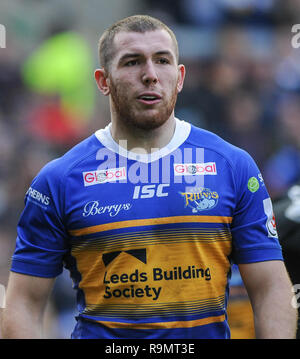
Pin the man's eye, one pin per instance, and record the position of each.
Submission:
(163, 61)
(131, 63)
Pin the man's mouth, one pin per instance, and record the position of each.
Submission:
(149, 98)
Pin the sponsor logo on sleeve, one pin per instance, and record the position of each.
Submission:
(253, 184)
(37, 197)
(261, 180)
(91, 178)
(196, 169)
(270, 224)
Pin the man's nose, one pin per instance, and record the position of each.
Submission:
(149, 75)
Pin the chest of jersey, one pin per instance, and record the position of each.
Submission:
(141, 191)
(145, 227)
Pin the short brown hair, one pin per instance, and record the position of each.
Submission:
(135, 23)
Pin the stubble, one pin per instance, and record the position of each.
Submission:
(133, 114)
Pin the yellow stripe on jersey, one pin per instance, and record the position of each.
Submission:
(150, 222)
(165, 325)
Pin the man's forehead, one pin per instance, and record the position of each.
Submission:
(157, 40)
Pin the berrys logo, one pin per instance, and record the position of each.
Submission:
(197, 169)
(91, 178)
(94, 208)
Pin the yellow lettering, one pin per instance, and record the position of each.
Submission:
(188, 196)
(215, 195)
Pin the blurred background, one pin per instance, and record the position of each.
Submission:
(243, 83)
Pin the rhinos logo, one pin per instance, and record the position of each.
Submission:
(201, 199)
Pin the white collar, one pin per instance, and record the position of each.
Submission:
(182, 131)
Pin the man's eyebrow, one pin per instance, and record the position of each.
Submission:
(136, 54)
(164, 52)
(128, 55)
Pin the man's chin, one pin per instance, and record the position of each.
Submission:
(149, 122)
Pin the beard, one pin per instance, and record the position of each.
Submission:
(134, 114)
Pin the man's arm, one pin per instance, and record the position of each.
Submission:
(26, 299)
(270, 293)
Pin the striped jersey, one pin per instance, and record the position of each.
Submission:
(148, 238)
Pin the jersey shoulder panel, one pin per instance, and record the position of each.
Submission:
(211, 141)
(240, 162)
(51, 178)
(62, 165)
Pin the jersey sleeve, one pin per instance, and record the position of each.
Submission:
(254, 231)
(41, 237)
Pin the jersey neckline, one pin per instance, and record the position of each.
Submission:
(182, 131)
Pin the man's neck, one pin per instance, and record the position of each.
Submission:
(139, 140)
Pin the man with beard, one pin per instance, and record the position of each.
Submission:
(123, 212)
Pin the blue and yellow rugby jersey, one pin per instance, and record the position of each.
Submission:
(148, 239)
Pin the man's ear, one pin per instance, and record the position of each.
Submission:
(181, 76)
(102, 81)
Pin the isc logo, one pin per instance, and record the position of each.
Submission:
(149, 191)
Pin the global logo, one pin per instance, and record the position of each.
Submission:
(91, 178)
(201, 199)
(192, 169)
(198, 169)
(101, 177)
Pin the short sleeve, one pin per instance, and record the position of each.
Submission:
(254, 231)
(41, 237)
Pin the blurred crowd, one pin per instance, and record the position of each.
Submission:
(243, 83)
